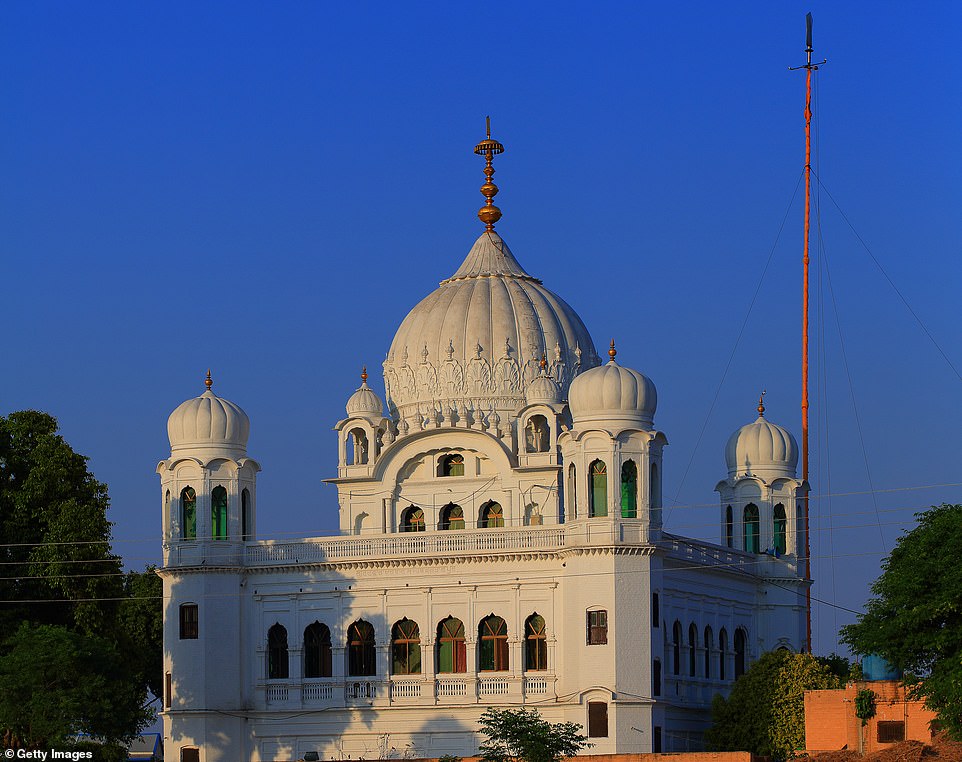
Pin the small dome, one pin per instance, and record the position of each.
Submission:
(543, 389)
(364, 402)
(613, 393)
(208, 421)
(761, 449)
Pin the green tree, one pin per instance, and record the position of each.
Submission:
(765, 712)
(79, 639)
(914, 619)
(523, 735)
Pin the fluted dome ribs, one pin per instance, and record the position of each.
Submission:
(208, 421)
(479, 338)
(762, 449)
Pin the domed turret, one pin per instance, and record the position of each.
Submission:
(477, 339)
(364, 402)
(208, 422)
(613, 393)
(543, 389)
(762, 449)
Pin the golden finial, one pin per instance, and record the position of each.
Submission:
(761, 403)
(364, 374)
(612, 351)
(544, 362)
(208, 382)
(489, 213)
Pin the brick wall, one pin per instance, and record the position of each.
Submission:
(831, 724)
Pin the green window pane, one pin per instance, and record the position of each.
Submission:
(218, 513)
(629, 490)
(188, 502)
(780, 530)
(598, 490)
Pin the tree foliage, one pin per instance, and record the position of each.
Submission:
(523, 735)
(765, 712)
(914, 619)
(80, 641)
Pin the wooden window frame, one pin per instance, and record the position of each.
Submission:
(596, 626)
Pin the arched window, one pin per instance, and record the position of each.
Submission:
(451, 465)
(629, 490)
(572, 491)
(188, 513)
(405, 648)
(722, 653)
(277, 653)
(709, 645)
(535, 644)
(317, 651)
(676, 648)
(597, 489)
(692, 646)
(218, 513)
(654, 492)
(739, 652)
(750, 529)
(361, 661)
(245, 515)
(491, 515)
(537, 435)
(359, 447)
(451, 652)
(493, 650)
(656, 677)
(452, 517)
(780, 530)
(729, 527)
(412, 520)
(167, 527)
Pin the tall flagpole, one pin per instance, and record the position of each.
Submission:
(809, 68)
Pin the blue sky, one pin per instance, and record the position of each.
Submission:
(267, 189)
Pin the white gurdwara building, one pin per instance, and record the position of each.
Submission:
(501, 545)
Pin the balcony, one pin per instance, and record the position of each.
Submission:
(413, 690)
(408, 545)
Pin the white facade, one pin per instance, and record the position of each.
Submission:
(511, 482)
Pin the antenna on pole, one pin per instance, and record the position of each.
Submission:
(809, 67)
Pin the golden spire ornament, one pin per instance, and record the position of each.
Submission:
(761, 403)
(489, 213)
(612, 351)
(208, 382)
(364, 374)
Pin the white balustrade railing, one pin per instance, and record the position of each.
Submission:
(535, 686)
(405, 545)
(276, 693)
(452, 688)
(361, 690)
(405, 689)
(313, 692)
(493, 686)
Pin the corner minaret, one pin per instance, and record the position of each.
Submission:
(208, 483)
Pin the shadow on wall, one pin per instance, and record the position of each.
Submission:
(272, 665)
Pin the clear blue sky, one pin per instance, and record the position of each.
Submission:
(268, 188)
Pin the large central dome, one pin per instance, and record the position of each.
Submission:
(476, 342)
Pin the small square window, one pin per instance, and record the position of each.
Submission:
(597, 628)
(188, 621)
(189, 755)
(891, 731)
